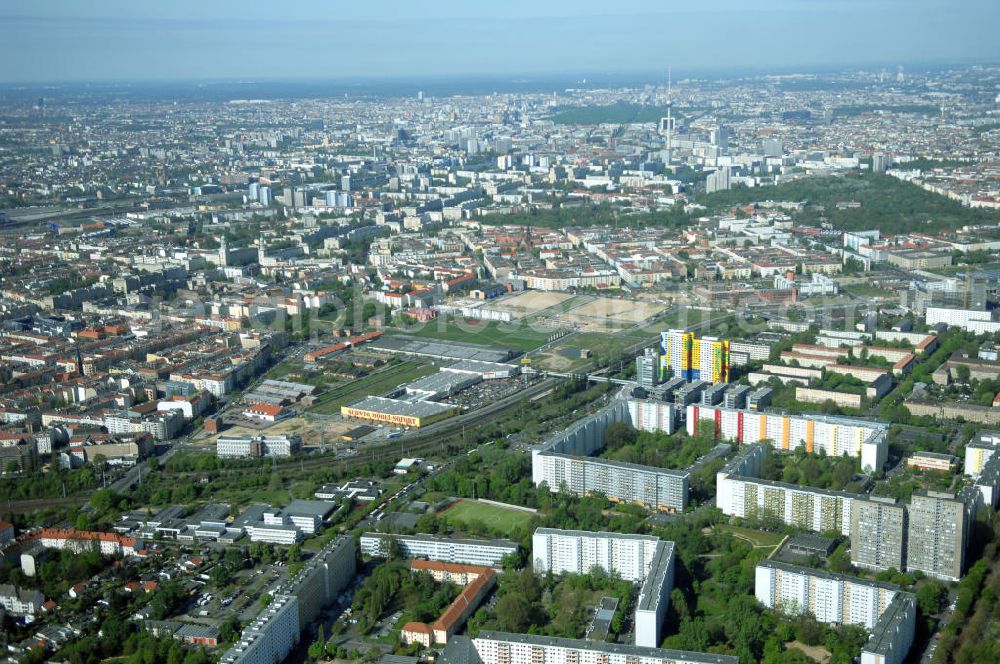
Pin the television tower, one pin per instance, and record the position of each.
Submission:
(670, 120)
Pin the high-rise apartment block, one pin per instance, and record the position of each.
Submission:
(647, 368)
(505, 648)
(888, 613)
(836, 436)
(562, 461)
(800, 506)
(929, 534)
(937, 535)
(641, 559)
(691, 358)
(488, 553)
(979, 450)
(828, 597)
(878, 533)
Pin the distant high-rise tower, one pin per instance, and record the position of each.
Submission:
(261, 249)
(881, 162)
(669, 128)
(772, 147)
(900, 76)
(223, 252)
(720, 136)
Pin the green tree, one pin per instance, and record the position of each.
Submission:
(619, 434)
(514, 613)
(929, 597)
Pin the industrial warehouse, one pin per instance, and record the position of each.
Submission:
(420, 402)
(401, 413)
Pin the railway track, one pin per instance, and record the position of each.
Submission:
(35, 504)
(420, 444)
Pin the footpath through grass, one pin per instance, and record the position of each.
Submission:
(757, 538)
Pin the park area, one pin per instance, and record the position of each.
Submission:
(758, 539)
(496, 518)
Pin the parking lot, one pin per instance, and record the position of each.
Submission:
(488, 391)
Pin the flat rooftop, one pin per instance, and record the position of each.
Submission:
(659, 566)
(478, 366)
(611, 648)
(416, 408)
(621, 464)
(501, 543)
(443, 381)
(885, 628)
(601, 534)
(457, 350)
(316, 508)
(823, 574)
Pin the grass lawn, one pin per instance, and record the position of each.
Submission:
(372, 384)
(505, 335)
(282, 370)
(601, 343)
(867, 290)
(496, 518)
(686, 318)
(758, 538)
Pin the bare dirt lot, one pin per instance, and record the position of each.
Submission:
(624, 311)
(530, 302)
(308, 428)
(815, 653)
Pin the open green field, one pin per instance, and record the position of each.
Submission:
(493, 517)
(757, 538)
(685, 318)
(504, 335)
(373, 384)
(867, 290)
(281, 371)
(565, 354)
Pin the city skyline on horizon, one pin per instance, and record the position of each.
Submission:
(224, 41)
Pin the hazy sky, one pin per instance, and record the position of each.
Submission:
(107, 40)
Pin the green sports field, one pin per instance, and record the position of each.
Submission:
(496, 518)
